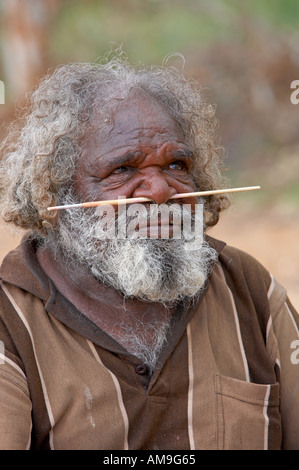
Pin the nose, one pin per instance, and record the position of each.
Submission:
(154, 186)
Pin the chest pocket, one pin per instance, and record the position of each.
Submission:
(248, 417)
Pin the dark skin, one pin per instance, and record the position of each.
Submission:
(143, 153)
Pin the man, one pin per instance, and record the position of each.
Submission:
(123, 342)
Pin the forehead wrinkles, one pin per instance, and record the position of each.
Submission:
(122, 134)
(141, 111)
(131, 141)
(138, 137)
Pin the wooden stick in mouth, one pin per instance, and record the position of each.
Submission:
(146, 199)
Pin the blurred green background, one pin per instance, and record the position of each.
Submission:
(245, 54)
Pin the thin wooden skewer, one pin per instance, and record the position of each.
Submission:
(146, 199)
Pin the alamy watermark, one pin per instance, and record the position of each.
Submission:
(295, 94)
(156, 221)
(295, 354)
(2, 92)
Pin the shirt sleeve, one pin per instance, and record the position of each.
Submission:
(15, 404)
(283, 339)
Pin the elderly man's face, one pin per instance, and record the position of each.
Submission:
(142, 153)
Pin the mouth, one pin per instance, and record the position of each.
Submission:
(165, 228)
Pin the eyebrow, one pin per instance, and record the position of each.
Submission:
(184, 154)
(132, 157)
(128, 157)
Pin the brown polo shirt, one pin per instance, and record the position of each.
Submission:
(228, 376)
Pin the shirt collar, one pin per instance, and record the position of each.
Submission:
(22, 269)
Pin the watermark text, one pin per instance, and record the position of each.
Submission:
(295, 94)
(295, 354)
(156, 221)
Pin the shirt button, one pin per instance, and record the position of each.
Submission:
(141, 369)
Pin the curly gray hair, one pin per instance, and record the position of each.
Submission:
(38, 158)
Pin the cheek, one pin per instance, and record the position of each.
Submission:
(183, 183)
(86, 188)
(190, 183)
(92, 189)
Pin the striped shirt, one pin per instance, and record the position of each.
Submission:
(228, 376)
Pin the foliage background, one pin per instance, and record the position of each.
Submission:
(244, 53)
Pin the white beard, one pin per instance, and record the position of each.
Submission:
(156, 270)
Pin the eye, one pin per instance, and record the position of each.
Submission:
(177, 165)
(121, 169)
